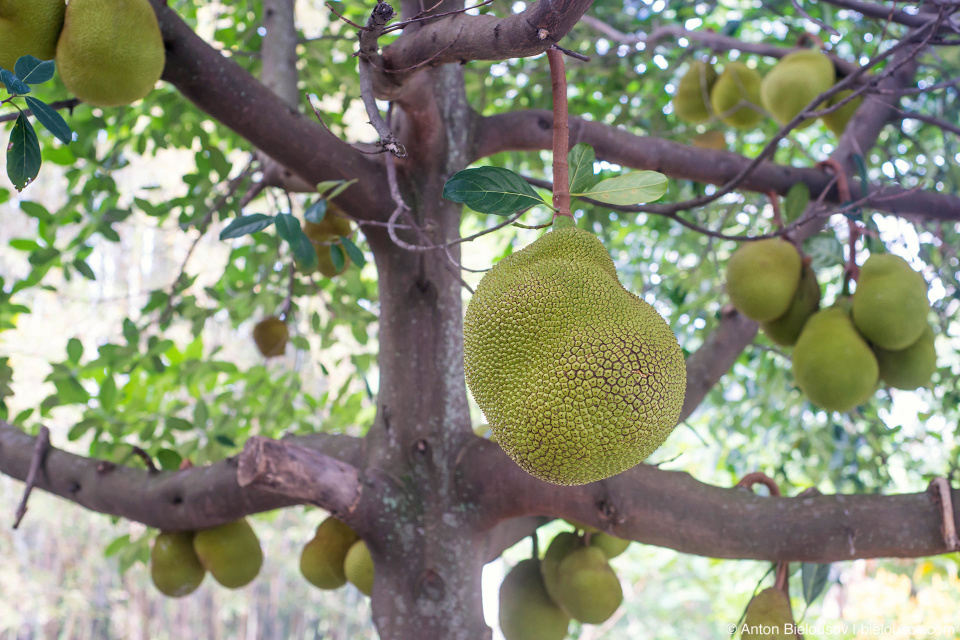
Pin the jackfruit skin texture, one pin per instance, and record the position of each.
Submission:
(786, 329)
(230, 552)
(691, 103)
(29, 27)
(738, 83)
(909, 368)
(794, 82)
(837, 120)
(768, 617)
(578, 378)
(110, 52)
(321, 561)
(890, 305)
(587, 588)
(526, 610)
(174, 566)
(832, 364)
(271, 335)
(358, 567)
(762, 278)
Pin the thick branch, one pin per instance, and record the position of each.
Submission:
(174, 500)
(673, 510)
(881, 12)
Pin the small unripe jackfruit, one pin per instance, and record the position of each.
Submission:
(890, 305)
(578, 378)
(174, 567)
(322, 559)
(735, 97)
(909, 368)
(786, 329)
(611, 546)
(762, 278)
(271, 335)
(837, 120)
(358, 567)
(110, 52)
(587, 587)
(562, 545)
(691, 102)
(29, 27)
(526, 610)
(794, 82)
(769, 617)
(230, 552)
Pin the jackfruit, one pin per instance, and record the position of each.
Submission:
(909, 368)
(321, 561)
(174, 567)
(794, 82)
(271, 335)
(29, 27)
(832, 364)
(578, 378)
(786, 329)
(837, 120)
(587, 588)
(890, 305)
(562, 545)
(735, 97)
(526, 610)
(762, 278)
(230, 552)
(325, 260)
(611, 546)
(331, 227)
(691, 102)
(110, 52)
(358, 567)
(710, 140)
(769, 617)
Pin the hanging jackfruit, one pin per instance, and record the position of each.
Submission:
(29, 27)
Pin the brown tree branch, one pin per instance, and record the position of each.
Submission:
(881, 12)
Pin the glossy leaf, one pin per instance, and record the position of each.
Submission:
(50, 119)
(245, 225)
(23, 154)
(491, 190)
(635, 187)
(580, 160)
(33, 70)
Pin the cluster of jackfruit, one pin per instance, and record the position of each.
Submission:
(573, 580)
(108, 52)
(325, 235)
(336, 556)
(179, 560)
(578, 378)
(842, 352)
(740, 96)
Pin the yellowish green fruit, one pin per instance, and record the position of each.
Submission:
(331, 227)
(890, 305)
(795, 82)
(611, 546)
(769, 617)
(837, 120)
(526, 610)
(710, 140)
(762, 278)
(110, 52)
(29, 27)
(358, 567)
(832, 364)
(325, 260)
(578, 378)
(174, 567)
(560, 547)
(230, 552)
(271, 335)
(587, 587)
(735, 97)
(322, 559)
(909, 368)
(691, 103)
(786, 329)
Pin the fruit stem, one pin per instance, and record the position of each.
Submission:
(561, 134)
(535, 543)
(783, 572)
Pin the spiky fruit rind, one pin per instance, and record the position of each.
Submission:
(611, 546)
(691, 102)
(794, 82)
(769, 617)
(358, 567)
(738, 84)
(786, 329)
(321, 561)
(909, 368)
(890, 305)
(762, 278)
(587, 588)
(832, 364)
(560, 547)
(230, 552)
(271, 335)
(110, 52)
(29, 27)
(837, 120)
(174, 566)
(526, 610)
(578, 378)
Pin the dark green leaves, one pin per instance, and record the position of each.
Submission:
(337, 257)
(23, 154)
(245, 225)
(814, 578)
(353, 251)
(316, 212)
(15, 86)
(798, 197)
(288, 228)
(581, 159)
(492, 190)
(50, 119)
(32, 70)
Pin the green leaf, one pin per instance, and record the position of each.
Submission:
(178, 424)
(288, 228)
(305, 253)
(631, 188)
(84, 269)
(13, 84)
(336, 257)
(224, 440)
(340, 188)
(316, 211)
(581, 159)
(814, 578)
(51, 120)
(245, 225)
(23, 154)
(117, 543)
(108, 394)
(798, 197)
(326, 185)
(825, 251)
(33, 70)
(492, 190)
(353, 251)
(169, 459)
(74, 350)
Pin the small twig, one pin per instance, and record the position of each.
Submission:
(781, 581)
(316, 112)
(147, 460)
(343, 17)
(572, 54)
(774, 199)
(60, 104)
(419, 16)
(758, 477)
(420, 64)
(561, 134)
(40, 449)
(288, 301)
(941, 492)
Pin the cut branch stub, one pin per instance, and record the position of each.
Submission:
(299, 473)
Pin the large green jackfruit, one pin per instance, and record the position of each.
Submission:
(691, 102)
(174, 567)
(890, 305)
(837, 120)
(794, 82)
(587, 587)
(786, 329)
(358, 567)
(578, 378)
(909, 368)
(29, 27)
(762, 278)
(526, 611)
(735, 97)
(321, 561)
(769, 617)
(230, 552)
